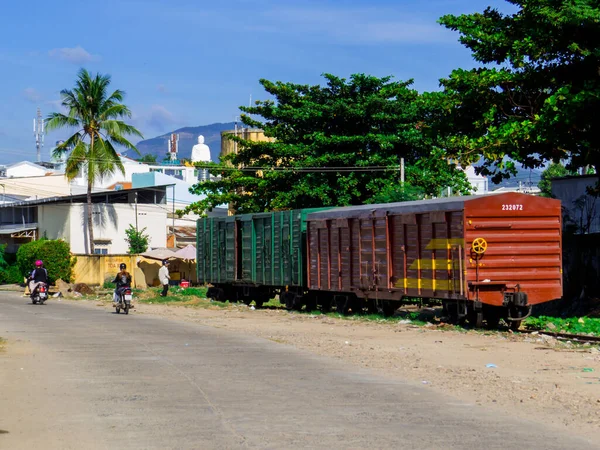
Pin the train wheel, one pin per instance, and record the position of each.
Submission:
(259, 303)
(341, 305)
(356, 305)
(371, 306)
(515, 325)
(311, 303)
(247, 302)
(515, 313)
(388, 308)
(475, 317)
(493, 320)
(289, 301)
(326, 305)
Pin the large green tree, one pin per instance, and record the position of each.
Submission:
(96, 115)
(335, 144)
(537, 92)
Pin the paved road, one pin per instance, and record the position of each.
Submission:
(78, 376)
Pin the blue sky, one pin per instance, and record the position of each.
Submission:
(191, 62)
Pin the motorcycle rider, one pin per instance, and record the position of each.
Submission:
(38, 276)
(122, 281)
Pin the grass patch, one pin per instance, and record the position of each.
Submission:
(573, 325)
(179, 296)
(2, 344)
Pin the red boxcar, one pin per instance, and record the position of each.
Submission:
(488, 257)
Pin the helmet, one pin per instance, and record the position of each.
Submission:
(165, 262)
(39, 263)
(122, 266)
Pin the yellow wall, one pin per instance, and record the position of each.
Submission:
(95, 269)
(229, 146)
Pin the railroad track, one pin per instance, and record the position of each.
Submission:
(565, 336)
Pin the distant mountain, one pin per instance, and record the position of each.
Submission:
(188, 137)
(525, 178)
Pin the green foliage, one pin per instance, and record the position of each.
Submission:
(56, 256)
(11, 275)
(398, 193)
(332, 145)
(536, 97)
(574, 325)
(554, 170)
(3, 263)
(137, 240)
(148, 159)
(97, 115)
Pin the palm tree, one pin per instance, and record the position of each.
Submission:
(97, 117)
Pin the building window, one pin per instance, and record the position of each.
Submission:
(101, 247)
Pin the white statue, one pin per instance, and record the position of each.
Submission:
(201, 153)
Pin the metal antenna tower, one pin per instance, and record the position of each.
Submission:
(173, 147)
(38, 132)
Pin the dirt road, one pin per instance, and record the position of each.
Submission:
(75, 375)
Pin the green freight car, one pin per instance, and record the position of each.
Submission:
(254, 257)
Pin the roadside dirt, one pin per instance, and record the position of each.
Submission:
(531, 377)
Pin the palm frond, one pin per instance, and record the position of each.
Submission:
(76, 161)
(120, 140)
(63, 148)
(58, 120)
(106, 160)
(114, 127)
(114, 111)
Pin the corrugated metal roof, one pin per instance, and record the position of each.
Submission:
(81, 198)
(419, 206)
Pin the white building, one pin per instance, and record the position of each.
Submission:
(66, 218)
(479, 182)
(27, 169)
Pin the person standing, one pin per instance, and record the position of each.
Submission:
(163, 276)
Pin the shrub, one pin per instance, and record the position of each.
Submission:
(55, 254)
(3, 263)
(11, 275)
(137, 240)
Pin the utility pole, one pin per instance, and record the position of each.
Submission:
(136, 213)
(402, 170)
(174, 238)
(38, 132)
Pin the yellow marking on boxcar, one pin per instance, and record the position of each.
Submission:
(433, 269)
(426, 264)
(425, 283)
(444, 244)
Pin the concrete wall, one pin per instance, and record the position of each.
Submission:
(54, 221)
(95, 269)
(69, 222)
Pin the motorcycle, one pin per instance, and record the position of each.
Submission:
(124, 297)
(40, 294)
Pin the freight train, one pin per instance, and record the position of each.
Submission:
(486, 257)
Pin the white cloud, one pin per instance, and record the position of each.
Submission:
(32, 95)
(75, 55)
(157, 118)
(358, 25)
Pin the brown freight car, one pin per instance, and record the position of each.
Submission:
(487, 257)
